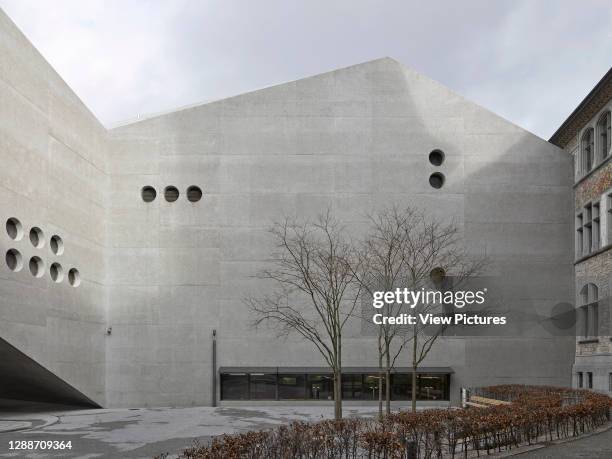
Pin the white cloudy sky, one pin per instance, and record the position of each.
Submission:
(531, 61)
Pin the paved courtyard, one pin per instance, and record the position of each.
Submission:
(144, 433)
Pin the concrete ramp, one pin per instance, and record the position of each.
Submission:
(21, 378)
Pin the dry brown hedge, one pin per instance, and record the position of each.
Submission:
(536, 413)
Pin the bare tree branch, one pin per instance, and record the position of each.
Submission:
(402, 250)
(315, 288)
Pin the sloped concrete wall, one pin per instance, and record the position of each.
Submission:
(52, 176)
(354, 139)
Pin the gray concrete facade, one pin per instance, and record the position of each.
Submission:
(54, 176)
(164, 274)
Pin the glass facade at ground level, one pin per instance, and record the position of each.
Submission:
(320, 386)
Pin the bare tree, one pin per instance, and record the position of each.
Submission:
(315, 291)
(382, 267)
(435, 259)
(407, 249)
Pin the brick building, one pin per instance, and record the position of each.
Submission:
(586, 136)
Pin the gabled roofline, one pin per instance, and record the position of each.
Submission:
(589, 106)
(170, 111)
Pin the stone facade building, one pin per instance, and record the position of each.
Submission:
(586, 136)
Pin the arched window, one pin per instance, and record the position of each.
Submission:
(604, 135)
(588, 150)
(589, 310)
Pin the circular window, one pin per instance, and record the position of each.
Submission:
(171, 193)
(14, 260)
(194, 193)
(14, 229)
(148, 194)
(437, 275)
(37, 267)
(436, 157)
(37, 237)
(57, 273)
(74, 277)
(436, 180)
(56, 244)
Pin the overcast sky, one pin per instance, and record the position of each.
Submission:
(530, 61)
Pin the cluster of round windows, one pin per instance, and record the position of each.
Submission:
(36, 265)
(436, 157)
(171, 193)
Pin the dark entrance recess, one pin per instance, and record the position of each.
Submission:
(24, 379)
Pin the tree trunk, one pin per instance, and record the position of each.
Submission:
(414, 383)
(338, 380)
(337, 394)
(414, 373)
(380, 376)
(388, 380)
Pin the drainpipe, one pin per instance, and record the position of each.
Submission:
(214, 368)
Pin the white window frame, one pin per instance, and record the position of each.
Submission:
(589, 311)
(603, 129)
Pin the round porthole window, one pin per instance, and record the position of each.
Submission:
(171, 193)
(437, 275)
(14, 229)
(56, 272)
(56, 244)
(436, 180)
(74, 277)
(14, 260)
(37, 238)
(148, 194)
(436, 157)
(37, 267)
(194, 193)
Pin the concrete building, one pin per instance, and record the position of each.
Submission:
(125, 248)
(586, 137)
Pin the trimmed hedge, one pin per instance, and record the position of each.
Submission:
(536, 413)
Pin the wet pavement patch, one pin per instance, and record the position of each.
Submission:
(238, 413)
(12, 426)
(114, 425)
